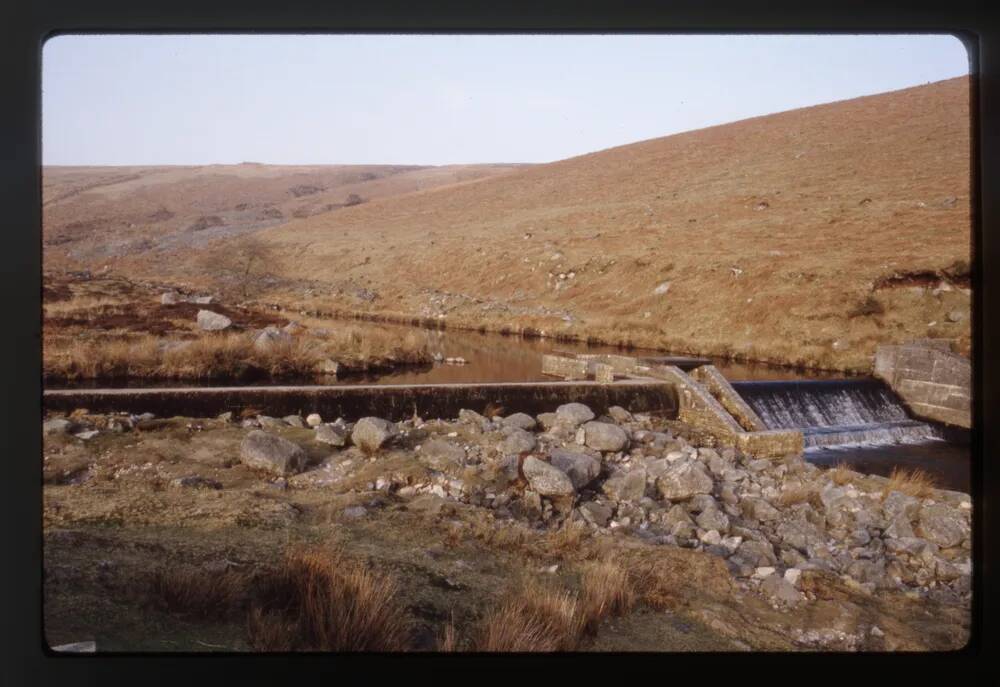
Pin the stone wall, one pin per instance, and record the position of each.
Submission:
(567, 368)
(935, 383)
(697, 406)
(724, 393)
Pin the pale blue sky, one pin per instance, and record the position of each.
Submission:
(340, 99)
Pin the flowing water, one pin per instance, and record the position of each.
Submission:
(861, 423)
(858, 421)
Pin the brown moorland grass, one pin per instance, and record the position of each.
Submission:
(190, 591)
(91, 211)
(224, 356)
(535, 618)
(916, 483)
(325, 601)
(788, 238)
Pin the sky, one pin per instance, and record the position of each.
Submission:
(440, 99)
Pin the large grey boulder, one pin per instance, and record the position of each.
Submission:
(213, 322)
(517, 441)
(596, 513)
(520, 420)
(57, 425)
(372, 433)
(800, 534)
(684, 479)
(626, 486)
(170, 298)
(471, 417)
(441, 455)
(942, 524)
(603, 436)
(581, 468)
(264, 451)
(759, 510)
(574, 414)
(333, 435)
(270, 337)
(547, 479)
(547, 420)
(898, 503)
(713, 519)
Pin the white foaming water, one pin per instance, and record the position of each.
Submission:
(839, 412)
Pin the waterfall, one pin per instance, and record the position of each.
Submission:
(835, 412)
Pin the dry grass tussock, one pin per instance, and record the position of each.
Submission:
(915, 483)
(224, 355)
(841, 474)
(797, 493)
(190, 591)
(539, 618)
(325, 601)
(534, 619)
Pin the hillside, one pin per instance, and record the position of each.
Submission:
(98, 214)
(803, 237)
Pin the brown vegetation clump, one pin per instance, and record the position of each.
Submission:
(533, 619)
(605, 590)
(841, 474)
(325, 601)
(796, 493)
(917, 483)
(190, 591)
(223, 356)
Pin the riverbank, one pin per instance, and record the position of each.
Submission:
(699, 548)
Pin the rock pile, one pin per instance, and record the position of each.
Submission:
(636, 475)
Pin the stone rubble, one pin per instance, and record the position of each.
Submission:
(772, 521)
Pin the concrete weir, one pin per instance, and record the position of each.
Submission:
(394, 402)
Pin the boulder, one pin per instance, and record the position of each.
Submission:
(574, 414)
(604, 437)
(942, 524)
(619, 414)
(441, 455)
(269, 337)
(294, 421)
(713, 519)
(759, 510)
(170, 298)
(800, 534)
(471, 417)
(517, 441)
(595, 513)
(520, 421)
(333, 435)
(780, 589)
(682, 480)
(314, 420)
(897, 503)
(264, 451)
(581, 468)
(371, 433)
(547, 479)
(268, 422)
(58, 425)
(626, 486)
(756, 553)
(547, 420)
(213, 322)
